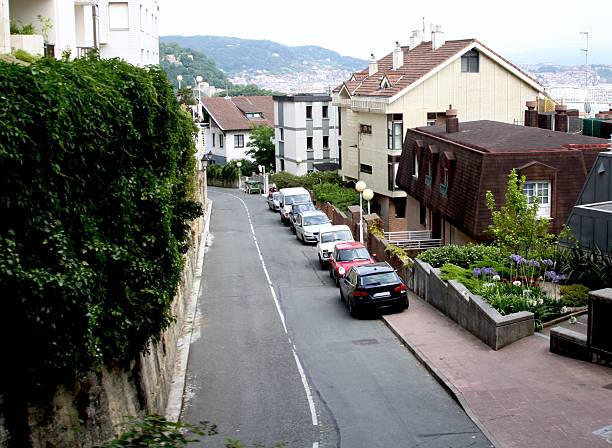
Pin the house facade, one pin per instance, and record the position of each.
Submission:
(447, 169)
(306, 132)
(413, 86)
(227, 124)
(127, 29)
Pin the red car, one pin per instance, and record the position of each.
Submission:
(345, 256)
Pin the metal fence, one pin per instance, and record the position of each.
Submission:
(413, 239)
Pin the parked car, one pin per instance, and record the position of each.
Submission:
(309, 224)
(296, 209)
(374, 286)
(328, 239)
(345, 256)
(274, 201)
(289, 196)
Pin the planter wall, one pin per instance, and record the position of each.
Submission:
(32, 43)
(469, 310)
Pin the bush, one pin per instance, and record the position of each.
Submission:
(286, 180)
(97, 173)
(24, 56)
(464, 276)
(463, 256)
(27, 28)
(574, 295)
(341, 197)
(592, 268)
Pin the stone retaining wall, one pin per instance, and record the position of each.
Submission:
(469, 310)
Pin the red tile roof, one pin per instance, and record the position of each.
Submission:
(418, 62)
(229, 113)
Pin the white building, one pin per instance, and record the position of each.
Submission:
(227, 124)
(306, 132)
(126, 29)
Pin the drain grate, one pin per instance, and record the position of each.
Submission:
(608, 386)
(365, 342)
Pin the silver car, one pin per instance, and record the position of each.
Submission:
(309, 224)
(274, 201)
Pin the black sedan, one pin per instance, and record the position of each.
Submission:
(373, 287)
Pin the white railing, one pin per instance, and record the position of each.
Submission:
(413, 239)
(341, 102)
(369, 106)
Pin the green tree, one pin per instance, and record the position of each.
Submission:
(186, 96)
(247, 90)
(261, 146)
(515, 227)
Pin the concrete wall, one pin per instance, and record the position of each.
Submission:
(469, 310)
(87, 412)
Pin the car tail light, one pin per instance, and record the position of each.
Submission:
(400, 288)
(358, 293)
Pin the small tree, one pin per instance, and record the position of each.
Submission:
(261, 146)
(186, 96)
(515, 227)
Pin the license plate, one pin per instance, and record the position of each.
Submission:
(380, 295)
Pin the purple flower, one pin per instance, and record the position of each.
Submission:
(488, 271)
(534, 263)
(517, 259)
(547, 262)
(562, 276)
(550, 274)
(477, 272)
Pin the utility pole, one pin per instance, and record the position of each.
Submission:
(587, 105)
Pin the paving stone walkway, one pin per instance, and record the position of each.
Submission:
(522, 396)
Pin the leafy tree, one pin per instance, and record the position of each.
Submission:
(515, 227)
(247, 90)
(261, 146)
(186, 96)
(189, 64)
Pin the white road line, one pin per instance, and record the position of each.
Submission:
(281, 315)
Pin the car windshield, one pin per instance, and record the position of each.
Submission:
(338, 235)
(315, 220)
(384, 278)
(297, 198)
(360, 253)
(297, 208)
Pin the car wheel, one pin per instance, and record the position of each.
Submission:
(331, 271)
(341, 296)
(336, 281)
(321, 262)
(351, 308)
(405, 305)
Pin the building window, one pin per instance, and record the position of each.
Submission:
(469, 62)
(118, 16)
(282, 134)
(395, 131)
(431, 118)
(325, 142)
(239, 141)
(422, 214)
(365, 128)
(400, 207)
(220, 140)
(213, 136)
(444, 183)
(325, 112)
(308, 142)
(253, 114)
(415, 165)
(339, 121)
(282, 164)
(392, 167)
(309, 112)
(539, 193)
(365, 168)
(428, 175)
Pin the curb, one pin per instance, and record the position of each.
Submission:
(443, 381)
(174, 405)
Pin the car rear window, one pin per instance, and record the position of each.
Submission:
(353, 254)
(315, 220)
(338, 235)
(384, 278)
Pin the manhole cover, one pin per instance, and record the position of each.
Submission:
(365, 342)
(608, 386)
(605, 433)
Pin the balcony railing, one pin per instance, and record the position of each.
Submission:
(369, 106)
(84, 51)
(341, 102)
(413, 239)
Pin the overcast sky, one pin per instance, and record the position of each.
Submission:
(358, 28)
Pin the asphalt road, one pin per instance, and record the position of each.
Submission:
(281, 361)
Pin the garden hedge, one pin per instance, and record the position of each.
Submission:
(97, 178)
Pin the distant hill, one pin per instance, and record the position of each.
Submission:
(235, 55)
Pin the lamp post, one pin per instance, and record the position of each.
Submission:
(360, 187)
(199, 80)
(239, 164)
(179, 78)
(368, 195)
(205, 159)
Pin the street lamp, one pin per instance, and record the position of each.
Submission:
(179, 78)
(239, 164)
(199, 80)
(360, 187)
(368, 195)
(204, 160)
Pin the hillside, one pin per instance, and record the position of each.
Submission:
(235, 55)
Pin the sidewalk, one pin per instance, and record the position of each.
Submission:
(521, 396)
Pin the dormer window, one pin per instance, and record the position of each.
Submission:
(253, 115)
(385, 84)
(470, 62)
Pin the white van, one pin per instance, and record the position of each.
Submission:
(290, 196)
(328, 238)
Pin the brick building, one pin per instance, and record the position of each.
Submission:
(447, 169)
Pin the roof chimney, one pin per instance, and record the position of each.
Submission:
(416, 39)
(452, 122)
(531, 115)
(437, 37)
(561, 118)
(398, 56)
(373, 68)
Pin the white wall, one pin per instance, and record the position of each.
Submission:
(5, 30)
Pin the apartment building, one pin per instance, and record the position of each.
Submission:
(227, 123)
(306, 132)
(413, 86)
(127, 29)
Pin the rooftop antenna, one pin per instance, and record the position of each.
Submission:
(423, 27)
(587, 105)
